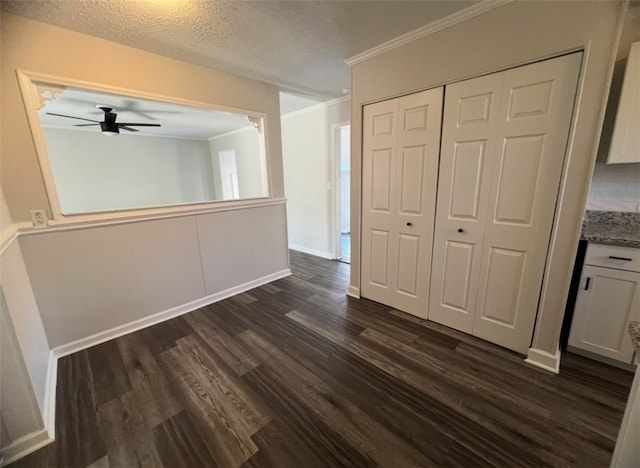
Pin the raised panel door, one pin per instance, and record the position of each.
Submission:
(378, 200)
(401, 140)
(418, 143)
(531, 140)
(470, 120)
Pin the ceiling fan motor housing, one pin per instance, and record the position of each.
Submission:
(109, 127)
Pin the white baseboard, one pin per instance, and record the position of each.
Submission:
(101, 337)
(544, 360)
(316, 253)
(24, 446)
(353, 291)
(49, 410)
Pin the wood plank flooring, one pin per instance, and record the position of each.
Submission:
(296, 374)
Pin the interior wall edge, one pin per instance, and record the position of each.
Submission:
(49, 410)
(10, 234)
(26, 322)
(544, 360)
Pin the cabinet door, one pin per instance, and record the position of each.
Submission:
(401, 141)
(607, 301)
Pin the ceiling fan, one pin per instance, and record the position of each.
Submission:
(109, 126)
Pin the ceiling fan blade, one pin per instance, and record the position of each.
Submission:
(72, 117)
(131, 124)
(128, 128)
(86, 125)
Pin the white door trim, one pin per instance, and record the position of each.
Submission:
(336, 194)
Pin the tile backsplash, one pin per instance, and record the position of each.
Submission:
(615, 187)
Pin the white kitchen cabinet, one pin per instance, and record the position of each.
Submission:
(608, 299)
(625, 143)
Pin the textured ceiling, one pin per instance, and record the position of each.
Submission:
(292, 102)
(298, 45)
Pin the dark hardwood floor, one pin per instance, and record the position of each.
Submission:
(295, 374)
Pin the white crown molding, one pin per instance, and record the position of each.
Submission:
(232, 132)
(314, 107)
(478, 9)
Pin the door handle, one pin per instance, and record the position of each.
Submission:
(409, 224)
(613, 257)
(460, 230)
(586, 286)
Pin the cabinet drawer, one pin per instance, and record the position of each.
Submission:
(613, 256)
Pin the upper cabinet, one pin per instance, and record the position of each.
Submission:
(625, 144)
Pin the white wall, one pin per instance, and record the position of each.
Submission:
(25, 316)
(42, 48)
(514, 34)
(249, 162)
(615, 187)
(94, 280)
(98, 278)
(98, 173)
(19, 414)
(24, 352)
(89, 279)
(23, 310)
(307, 152)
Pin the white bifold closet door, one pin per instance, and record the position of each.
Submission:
(401, 140)
(503, 146)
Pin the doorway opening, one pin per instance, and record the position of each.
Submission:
(229, 174)
(343, 202)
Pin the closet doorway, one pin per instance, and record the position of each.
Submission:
(498, 171)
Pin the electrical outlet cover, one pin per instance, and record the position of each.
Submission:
(39, 218)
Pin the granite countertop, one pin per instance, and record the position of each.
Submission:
(612, 227)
